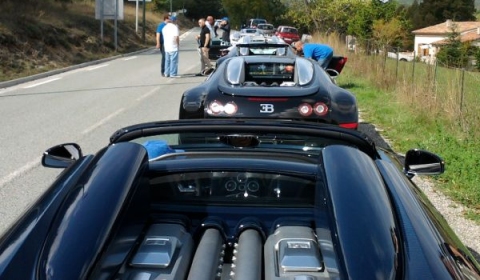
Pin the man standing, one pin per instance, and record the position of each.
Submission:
(209, 23)
(203, 48)
(171, 40)
(225, 26)
(319, 52)
(159, 38)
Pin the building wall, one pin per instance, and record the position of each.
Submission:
(424, 40)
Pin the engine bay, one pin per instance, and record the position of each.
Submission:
(168, 251)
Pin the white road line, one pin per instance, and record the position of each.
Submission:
(44, 82)
(148, 93)
(130, 57)
(96, 67)
(30, 165)
(104, 120)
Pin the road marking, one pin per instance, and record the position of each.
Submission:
(44, 82)
(96, 67)
(27, 167)
(128, 58)
(104, 120)
(148, 93)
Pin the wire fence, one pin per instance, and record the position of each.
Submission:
(426, 85)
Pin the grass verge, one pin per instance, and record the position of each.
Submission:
(410, 120)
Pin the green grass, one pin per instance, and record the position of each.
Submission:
(410, 117)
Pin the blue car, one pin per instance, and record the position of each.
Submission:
(252, 199)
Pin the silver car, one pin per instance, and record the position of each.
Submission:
(265, 29)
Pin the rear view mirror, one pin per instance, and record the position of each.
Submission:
(61, 156)
(423, 163)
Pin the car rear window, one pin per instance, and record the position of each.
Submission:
(224, 187)
(265, 26)
(289, 30)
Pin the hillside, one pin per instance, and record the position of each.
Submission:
(39, 38)
(409, 2)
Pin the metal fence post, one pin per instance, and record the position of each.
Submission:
(461, 90)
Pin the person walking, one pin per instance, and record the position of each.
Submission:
(171, 40)
(319, 52)
(203, 48)
(159, 38)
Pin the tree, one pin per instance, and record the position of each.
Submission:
(239, 11)
(453, 53)
(195, 8)
(438, 11)
(324, 16)
(388, 33)
(477, 58)
(415, 16)
(360, 23)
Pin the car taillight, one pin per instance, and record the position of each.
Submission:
(230, 108)
(320, 109)
(216, 107)
(305, 109)
(349, 125)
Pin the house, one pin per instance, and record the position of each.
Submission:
(429, 40)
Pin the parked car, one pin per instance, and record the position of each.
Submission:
(237, 36)
(265, 29)
(272, 87)
(257, 45)
(244, 200)
(253, 22)
(287, 33)
(272, 45)
(402, 56)
(216, 47)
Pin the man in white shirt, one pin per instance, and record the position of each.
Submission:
(171, 42)
(209, 23)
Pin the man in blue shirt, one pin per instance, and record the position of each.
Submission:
(319, 52)
(159, 38)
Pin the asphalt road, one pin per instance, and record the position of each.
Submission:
(85, 104)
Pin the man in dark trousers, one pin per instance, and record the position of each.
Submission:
(159, 38)
(225, 26)
(204, 40)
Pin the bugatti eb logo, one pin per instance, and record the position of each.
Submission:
(266, 108)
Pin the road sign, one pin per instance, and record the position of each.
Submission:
(109, 9)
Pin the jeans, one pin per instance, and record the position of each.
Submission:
(162, 51)
(325, 61)
(171, 64)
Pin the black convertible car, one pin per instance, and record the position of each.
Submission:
(244, 200)
(273, 87)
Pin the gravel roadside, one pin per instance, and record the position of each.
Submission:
(467, 230)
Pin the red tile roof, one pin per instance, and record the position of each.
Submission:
(446, 27)
(468, 37)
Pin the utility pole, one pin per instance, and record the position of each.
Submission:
(144, 39)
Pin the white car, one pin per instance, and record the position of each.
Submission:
(266, 29)
(238, 35)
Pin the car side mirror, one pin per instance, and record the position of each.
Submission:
(61, 156)
(423, 163)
